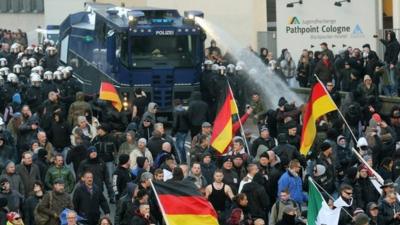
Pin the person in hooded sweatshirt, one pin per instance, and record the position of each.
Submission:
(391, 58)
(150, 113)
(145, 129)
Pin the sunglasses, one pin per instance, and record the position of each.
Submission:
(349, 193)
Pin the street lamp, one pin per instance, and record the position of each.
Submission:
(339, 3)
(291, 4)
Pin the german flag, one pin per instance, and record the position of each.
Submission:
(222, 133)
(182, 204)
(320, 103)
(109, 93)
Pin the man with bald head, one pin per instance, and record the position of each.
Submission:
(166, 152)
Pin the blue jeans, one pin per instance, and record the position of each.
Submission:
(393, 79)
(180, 145)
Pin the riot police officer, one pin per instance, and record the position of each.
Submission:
(48, 84)
(49, 61)
(72, 86)
(11, 87)
(33, 95)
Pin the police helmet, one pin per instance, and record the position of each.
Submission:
(3, 62)
(4, 71)
(12, 77)
(58, 75)
(230, 68)
(35, 78)
(39, 50)
(33, 62)
(60, 68)
(48, 75)
(38, 69)
(222, 70)
(17, 69)
(66, 73)
(215, 67)
(15, 48)
(29, 50)
(25, 63)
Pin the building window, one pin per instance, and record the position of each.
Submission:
(271, 15)
(21, 6)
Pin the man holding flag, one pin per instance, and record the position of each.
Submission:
(319, 104)
(337, 213)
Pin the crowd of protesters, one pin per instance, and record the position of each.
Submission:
(62, 150)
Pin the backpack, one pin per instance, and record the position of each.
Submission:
(40, 217)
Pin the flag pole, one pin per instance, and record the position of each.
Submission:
(340, 113)
(159, 202)
(240, 122)
(379, 178)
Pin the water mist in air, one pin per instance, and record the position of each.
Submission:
(271, 86)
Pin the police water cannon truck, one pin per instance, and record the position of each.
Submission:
(157, 50)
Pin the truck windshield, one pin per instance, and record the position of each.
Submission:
(175, 51)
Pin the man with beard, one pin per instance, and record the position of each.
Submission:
(346, 202)
(98, 169)
(88, 199)
(54, 202)
(389, 210)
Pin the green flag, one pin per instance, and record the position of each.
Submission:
(318, 212)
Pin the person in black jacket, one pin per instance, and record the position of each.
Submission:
(77, 153)
(121, 176)
(31, 202)
(259, 202)
(3, 211)
(124, 203)
(264, 139)
(59, 132)
(142, 216)
(389, 210)
(368, 190)
(145, 129)
(286, 151)
(391, 58)
(88, 199)
(180, 128)
(99, 170)
(198, 113)
(325, 159)
(106, 148)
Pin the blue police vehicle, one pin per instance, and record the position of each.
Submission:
(157, 50)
